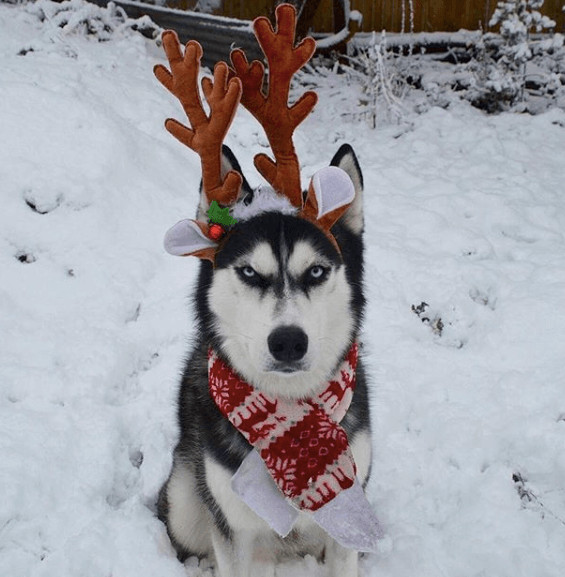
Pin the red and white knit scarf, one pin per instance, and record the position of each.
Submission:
(301, 442)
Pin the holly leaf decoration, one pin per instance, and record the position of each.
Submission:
(220, 215)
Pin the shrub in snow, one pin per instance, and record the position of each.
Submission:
(84, 18)
(517, 19)
(370, 84)
(382, 79)
(502, 61)
(493, 87)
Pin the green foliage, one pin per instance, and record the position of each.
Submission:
(220, 215)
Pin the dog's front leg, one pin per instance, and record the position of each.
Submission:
(241, 556)
(341, 562)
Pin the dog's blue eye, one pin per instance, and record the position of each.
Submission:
(315, 276)
(251, 277)
(317, 272)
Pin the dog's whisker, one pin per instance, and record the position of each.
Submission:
(326, 340)
(243, 335)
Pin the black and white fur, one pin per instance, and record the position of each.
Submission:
(276, 274)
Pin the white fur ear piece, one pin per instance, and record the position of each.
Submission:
(186, 238)
(333, 189)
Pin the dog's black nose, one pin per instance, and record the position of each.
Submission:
(288, 343)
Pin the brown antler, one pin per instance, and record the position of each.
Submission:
(207, 133)
(272, 110)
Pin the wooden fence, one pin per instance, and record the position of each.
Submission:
(391, 15)
(437, 15)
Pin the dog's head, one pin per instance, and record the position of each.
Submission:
(280, 290)
(282, 303)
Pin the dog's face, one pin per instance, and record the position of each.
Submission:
(282, 304)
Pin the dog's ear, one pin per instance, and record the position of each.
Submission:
(346, 159)
(229, 162)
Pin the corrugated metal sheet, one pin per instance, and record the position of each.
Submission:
(217, 35)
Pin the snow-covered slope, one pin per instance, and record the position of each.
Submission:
(464, 212)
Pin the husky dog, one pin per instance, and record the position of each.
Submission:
(282, 305)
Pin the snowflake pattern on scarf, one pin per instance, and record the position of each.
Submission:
(301, 442)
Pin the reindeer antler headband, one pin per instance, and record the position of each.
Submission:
(331, 190)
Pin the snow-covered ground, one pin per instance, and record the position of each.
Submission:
(465, 212)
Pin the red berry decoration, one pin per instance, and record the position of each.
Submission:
(215, 232)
